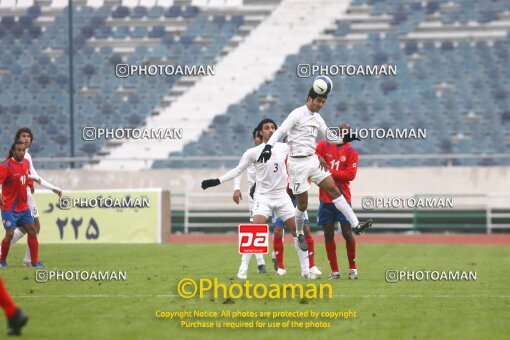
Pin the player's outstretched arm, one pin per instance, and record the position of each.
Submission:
(265, 154)
(245, 162)
(208, 183)
(287, 124)
(237, 196)
(36, 178)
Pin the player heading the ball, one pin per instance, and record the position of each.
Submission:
(302, 126)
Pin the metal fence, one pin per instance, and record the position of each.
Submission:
(471, 213)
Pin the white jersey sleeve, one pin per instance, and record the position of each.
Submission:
(287, 124)
(32, 169)
(252, 175)
(246, 160)
(237, 183)
(35, 176)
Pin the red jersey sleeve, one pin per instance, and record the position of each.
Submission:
(349, 173)
(4, 172)
(319, 149)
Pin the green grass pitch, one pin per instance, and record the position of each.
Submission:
(126, 310)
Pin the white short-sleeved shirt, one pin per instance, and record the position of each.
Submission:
(271, 177)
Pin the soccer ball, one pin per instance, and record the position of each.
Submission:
(322, 85)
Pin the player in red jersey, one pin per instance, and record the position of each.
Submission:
(14, 178)
(342, 163)
(26, 136)
(16, 318)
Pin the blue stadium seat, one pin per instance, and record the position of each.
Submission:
(173, 12)
(120, 12)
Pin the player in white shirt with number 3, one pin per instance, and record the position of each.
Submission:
(270, 193)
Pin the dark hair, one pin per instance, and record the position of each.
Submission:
(22, 130)
(312, 94)
(255, 133)
(265, 121)
(13, 146)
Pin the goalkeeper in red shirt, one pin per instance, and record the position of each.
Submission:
(342, 162)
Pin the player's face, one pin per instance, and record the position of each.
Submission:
(19, 152)
(316, 104)
(25, 138)
(267, 131)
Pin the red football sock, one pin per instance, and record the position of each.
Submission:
(33, 244)
(351, 253)
(311, 250)
(331, 251)
(278, 249)
(5, 250)
(5, 301)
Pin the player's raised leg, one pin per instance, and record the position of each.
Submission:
(301, 206)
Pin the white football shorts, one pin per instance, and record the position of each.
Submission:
(281, 205)
(302, 169)
(31, 204)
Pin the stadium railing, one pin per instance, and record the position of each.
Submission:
(470, 213)
(221, 161)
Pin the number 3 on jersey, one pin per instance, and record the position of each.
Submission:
(275, 169)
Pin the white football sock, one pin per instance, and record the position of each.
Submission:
(303, 258)
(260, 259)
(27, 258)
(245, 261)
(344, 207)
(300, 221)
(17, 235)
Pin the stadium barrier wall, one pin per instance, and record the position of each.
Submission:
(470, 213)
(481, 195)
(405, 180)
(105, 216)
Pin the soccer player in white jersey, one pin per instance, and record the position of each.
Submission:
(25, 135)
(245, 258)
(301, 127)
(270, 193)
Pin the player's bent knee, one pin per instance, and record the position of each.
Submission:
(347, 232)
(278, 231)
(30, 228)
(306, 230)
(259, 219)
(329, 232)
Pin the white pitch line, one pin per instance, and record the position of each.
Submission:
(413, 296)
